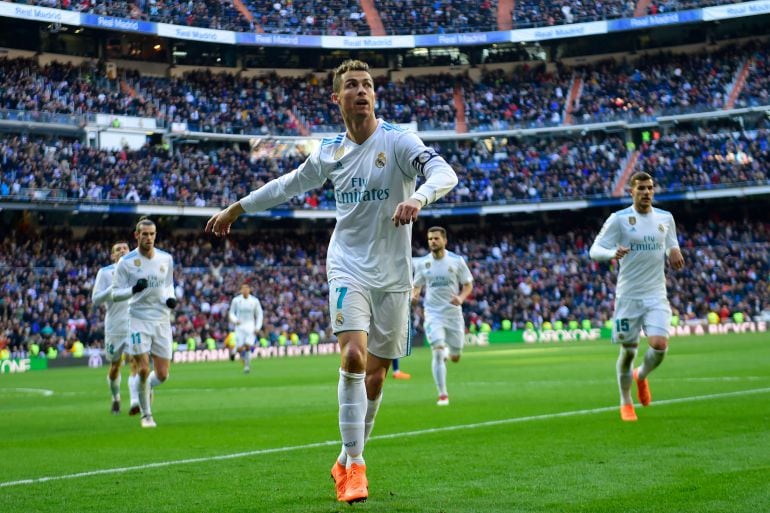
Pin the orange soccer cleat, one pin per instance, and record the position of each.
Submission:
(401, 375)
(627, 413)
(642, 389)
(357, 486)
(340, 476)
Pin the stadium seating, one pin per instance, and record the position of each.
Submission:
(346, 17)
(530, 96)
(515, 170)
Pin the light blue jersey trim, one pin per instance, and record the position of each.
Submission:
(387, 126)
(326, 141)
(130, 254)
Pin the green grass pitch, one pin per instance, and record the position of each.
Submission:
(530, 428)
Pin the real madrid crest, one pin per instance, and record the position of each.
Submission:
(340, 320)
(163, 268)
(137, 262)
(661, 229)
(427, 265)
(381, 160)
(339, 153)
(632, 220)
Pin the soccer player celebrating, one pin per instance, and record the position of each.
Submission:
(373, 167)
(115, 331)
(246, 314)
(448, 283)
(145, 277)
(639, 237)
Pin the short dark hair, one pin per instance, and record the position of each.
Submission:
(118, 242)
(639, 176)
(348, 65)
(439, 229)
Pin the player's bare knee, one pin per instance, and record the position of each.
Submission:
(659, 343)
(353, 358)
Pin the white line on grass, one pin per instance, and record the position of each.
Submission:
(515, 420)
(41, 391)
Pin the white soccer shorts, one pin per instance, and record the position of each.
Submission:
(633, 315)
(446, 332)
(152, 337)
(244, 336)
(114, 345)
(383, 315)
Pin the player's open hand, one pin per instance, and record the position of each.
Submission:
(406, 212)
(676, 259)
(220, 223)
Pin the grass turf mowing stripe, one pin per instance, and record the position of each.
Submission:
(475, 425)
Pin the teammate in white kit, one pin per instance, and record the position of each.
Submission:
(145, 277)
(373, 167)
(115, 331)
(640, 237)
(246, 314)
(448, 283)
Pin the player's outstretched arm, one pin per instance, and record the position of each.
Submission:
(220, 223)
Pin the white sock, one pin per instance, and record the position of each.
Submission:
(153, 380)
(342, 459)
(439, 370)
(144, 397)
(115, 387)
(372, 407)
(133, 389)
(246, 358)
(351, 395)
(625, 374)
(652, 358)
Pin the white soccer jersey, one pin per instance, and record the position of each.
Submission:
(649, 237)
(442, 279)
(149, 304)
(116, 317)
(370, 180)
(246, 312)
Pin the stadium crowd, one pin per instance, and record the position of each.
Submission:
(531, 96)
(542, 277)
(703, 159)
(528, 97)
(504, 170)
(661, 84)
(346, 17)
(757, 89)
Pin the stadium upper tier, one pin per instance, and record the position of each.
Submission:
(46, 281)
(377, 17)
(528, 96)
(512, 170)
